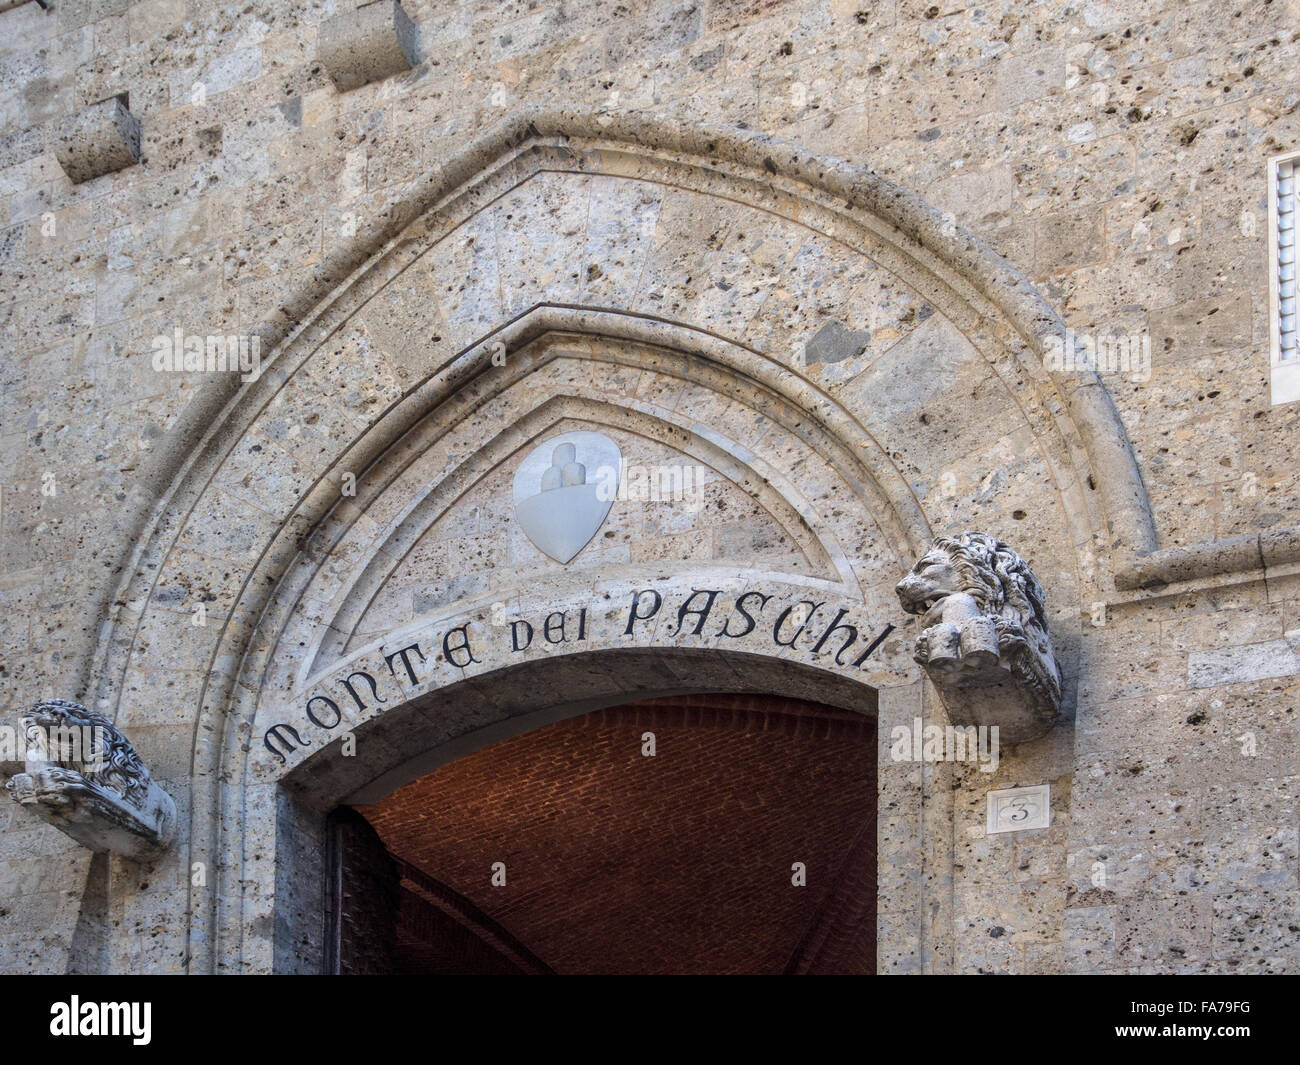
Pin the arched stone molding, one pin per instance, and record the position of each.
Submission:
(384, 247)
(252, 517)
(717, 376)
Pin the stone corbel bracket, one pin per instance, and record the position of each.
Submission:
(369, 44)
(84, 777)
(103, 138)
(984, 640)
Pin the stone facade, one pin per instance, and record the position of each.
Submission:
(829, 253)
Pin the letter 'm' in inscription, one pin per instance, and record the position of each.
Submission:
(273, 733)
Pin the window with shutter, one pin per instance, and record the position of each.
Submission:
(1282, 278)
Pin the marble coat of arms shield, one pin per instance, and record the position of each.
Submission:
(564, 490)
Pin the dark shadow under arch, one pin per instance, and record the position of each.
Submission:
(654, 836)
(508, 702)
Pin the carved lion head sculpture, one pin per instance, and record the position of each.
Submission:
(105, 755)
(991, 573)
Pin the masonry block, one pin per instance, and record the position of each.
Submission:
(369, 44)
(103, 138)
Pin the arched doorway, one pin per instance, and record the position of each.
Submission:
(418, 791)
(355, 499)
(701, 833)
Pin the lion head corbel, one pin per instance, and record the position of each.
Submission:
(984, 640)
(84, 777)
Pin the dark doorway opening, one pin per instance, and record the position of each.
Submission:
(669, 835)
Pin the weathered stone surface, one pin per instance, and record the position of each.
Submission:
(834, 343)
(641, 207)
(1277, 658)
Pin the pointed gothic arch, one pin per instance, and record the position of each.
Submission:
(751, 249)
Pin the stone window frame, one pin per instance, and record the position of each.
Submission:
(1283, 212)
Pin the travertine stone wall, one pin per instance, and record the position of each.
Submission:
(1113, 152)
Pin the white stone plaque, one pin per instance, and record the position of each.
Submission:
(1016, 809)
(564, 489)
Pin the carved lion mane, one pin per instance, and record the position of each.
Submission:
(1000, 581)
(118, 767)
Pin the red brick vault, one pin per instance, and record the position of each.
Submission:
(620, 862)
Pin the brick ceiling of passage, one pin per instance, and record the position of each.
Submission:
(680, 863)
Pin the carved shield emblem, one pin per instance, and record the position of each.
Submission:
(564, 489)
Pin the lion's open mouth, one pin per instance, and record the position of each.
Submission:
(923, 605)
(920, 604)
